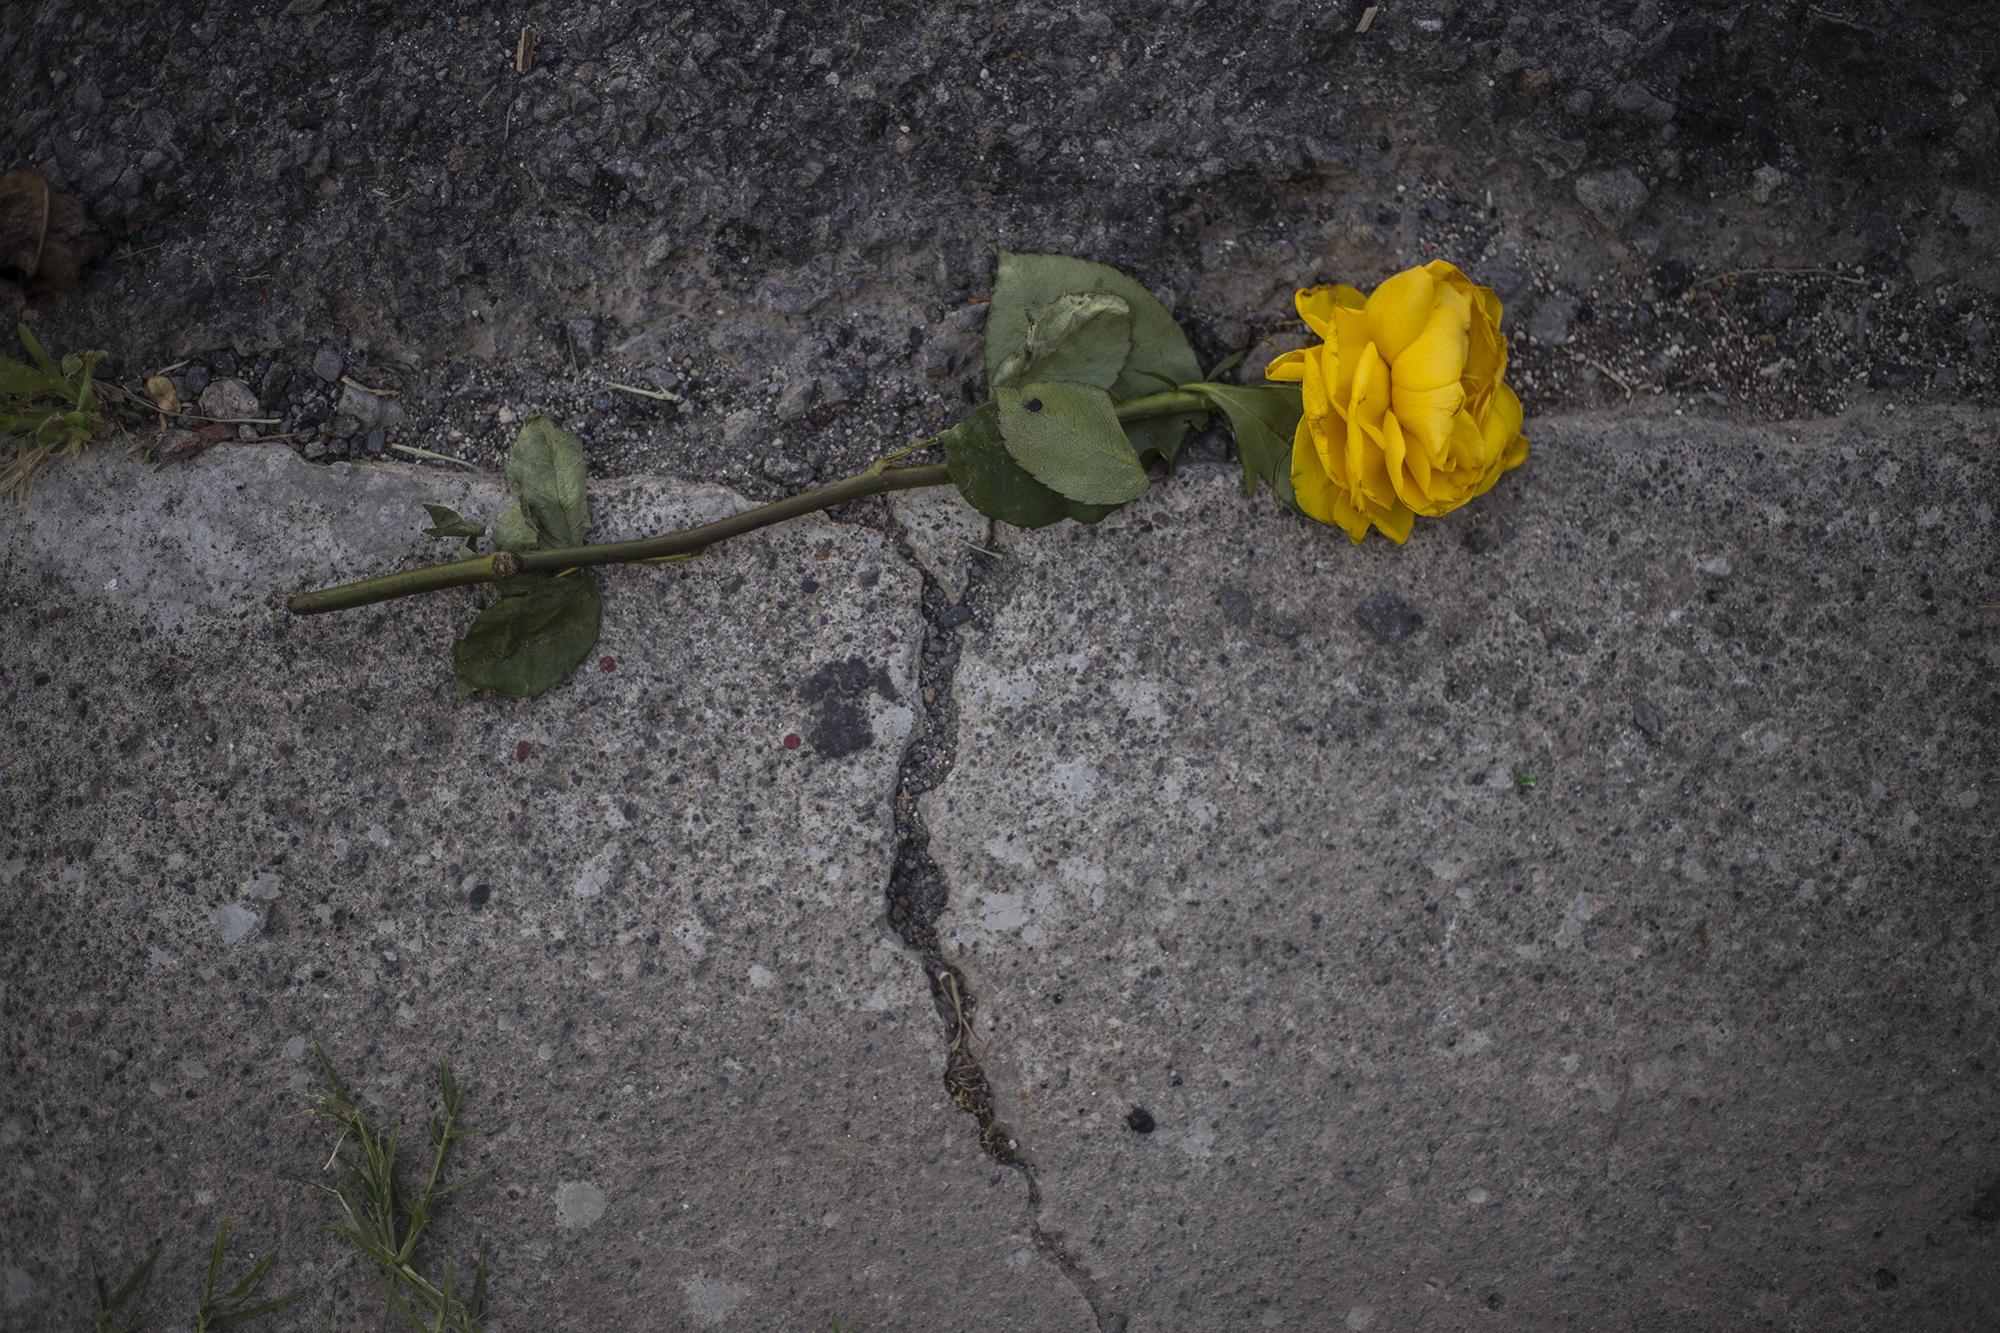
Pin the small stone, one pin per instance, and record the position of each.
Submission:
(953, 616)
(1775, 305)
(1388, 617)
(1646, 718)
(796, 399)
(224, 362)
(1764, 183)
(937, 359)
(363, 406)
(327, 364)
(228, 400)
(196, 379)
(1140, 1121)
(1613, 197)
(1550, 322)
(790, 471)
(969, 319)
(1235, 604)
(272, 387)
(378, 441)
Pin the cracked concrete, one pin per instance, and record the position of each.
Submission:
(1610, 946)
(647, 935)
(1615, 948)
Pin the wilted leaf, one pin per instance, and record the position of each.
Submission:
(1160, 359)
(990, 480)
(45, 237)
(446, 522)
(1263, 418)
(529, 640)
(512, 531)
(545, 468)
(1080, 336)
(161, 390)
(1068, 438)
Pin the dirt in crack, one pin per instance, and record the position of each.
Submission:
(917, 897)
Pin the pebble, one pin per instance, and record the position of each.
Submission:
(196, 379)
(1235, 604)
(1764, 183)
(1388, 617)
(228, 400)
(1613, 197)
(327, 364)
(363, 406)
(1646, 718)
(796, 398)
(378, 441)
(953, 616)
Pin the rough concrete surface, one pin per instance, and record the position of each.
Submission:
(1599, 936)
(646, 934)
(780, 213)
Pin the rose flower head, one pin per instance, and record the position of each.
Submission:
(1405, 411)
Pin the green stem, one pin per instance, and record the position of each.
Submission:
(876, 480)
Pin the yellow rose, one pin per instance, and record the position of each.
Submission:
(1405, 410)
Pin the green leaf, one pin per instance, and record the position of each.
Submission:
(446, 523)
(524, 643)
(1068, 438)
(1263, 418)
(1161, 357)
(35, 353)
(512, 530)
(545, 468)
(990, 480)
(1080, 336)
(1227, 364)
(18, 379)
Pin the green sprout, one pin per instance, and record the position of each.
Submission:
(47, 410)
(384, 1220)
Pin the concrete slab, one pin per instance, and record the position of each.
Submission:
(648, 936)
(1596, 931)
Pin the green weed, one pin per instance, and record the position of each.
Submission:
(47, 410)
(384, 1220)
(122, 1309)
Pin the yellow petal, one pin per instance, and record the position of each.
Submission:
(1350, 325)
(1502, 424)
(1367, 404)
(1409, 470)
(1437, 357)
(1426, 416)
(1398, 310)
(1317, 496)
(1289, 367)
(1315, 306)
(1395, 523)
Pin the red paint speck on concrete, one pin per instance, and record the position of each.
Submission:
(523, 750)
(792, 741)
(606, 664)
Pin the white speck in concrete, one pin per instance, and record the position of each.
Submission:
(709, 1303)
(693, 936)
(760, 976)
(234, 922)
(1968, 798)
(1075, 777)
(295, 1049)
(595, 876)
(1361, 1317)
(265, 886)
(578, 1203)
(158, 958)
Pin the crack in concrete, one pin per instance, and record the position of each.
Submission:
(917, 896)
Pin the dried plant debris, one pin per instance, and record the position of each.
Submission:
(45, 237)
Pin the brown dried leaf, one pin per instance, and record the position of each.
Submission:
(45, 237)
(161, 390)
